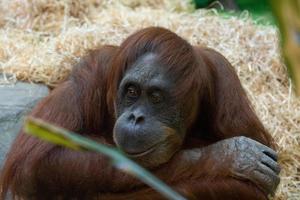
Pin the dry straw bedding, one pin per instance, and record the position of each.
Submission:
(40, 40)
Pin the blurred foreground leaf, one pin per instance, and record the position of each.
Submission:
(59, 136)
(287, 14)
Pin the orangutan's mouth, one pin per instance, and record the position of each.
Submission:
(145, 152)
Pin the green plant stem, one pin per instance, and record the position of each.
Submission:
(74, 141)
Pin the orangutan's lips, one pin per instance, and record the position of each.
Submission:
(147, 151)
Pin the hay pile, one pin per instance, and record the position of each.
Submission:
(41, 39)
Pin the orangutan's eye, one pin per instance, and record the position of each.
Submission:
(156, 97)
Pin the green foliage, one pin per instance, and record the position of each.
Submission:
(287, 15)
(59, 136)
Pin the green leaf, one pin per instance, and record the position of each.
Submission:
(59, 136)
(287, 14)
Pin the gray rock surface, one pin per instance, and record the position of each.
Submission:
(16, 101)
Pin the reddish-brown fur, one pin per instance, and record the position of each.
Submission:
(85, 104)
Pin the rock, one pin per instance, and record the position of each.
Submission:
(16, 100)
